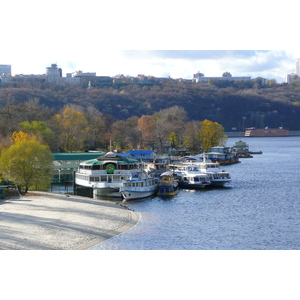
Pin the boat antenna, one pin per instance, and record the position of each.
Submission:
(110, 144)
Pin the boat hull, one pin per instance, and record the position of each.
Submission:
(107, 192)
(219, 182)
(268, 132)
(189, 185)
(226, 162)
(134, 195)
(167, 191)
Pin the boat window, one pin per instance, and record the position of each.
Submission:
(103, 178)
(97, 178)
(92, 178)
(117, 178)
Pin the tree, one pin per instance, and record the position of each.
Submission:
(73, 128)
(27, 162)
(133, 135)
(167, 121)
(145, 126)
(191, 140)
(97, 127)
(125, 134)
(39, 129)
(211, 134)
(173, 139)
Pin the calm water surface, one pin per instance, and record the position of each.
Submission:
(260, 209)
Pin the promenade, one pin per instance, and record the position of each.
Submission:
(45, 221)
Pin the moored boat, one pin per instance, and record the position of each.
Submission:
(255, 152)
(267, 132)
(138, 186)
(241, 150)
(190, 176)
(167, 186)
(106, 174)
(218, 177)
(222, 155)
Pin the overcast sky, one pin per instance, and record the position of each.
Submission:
(110, 38)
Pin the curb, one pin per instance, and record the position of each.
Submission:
(133, 219)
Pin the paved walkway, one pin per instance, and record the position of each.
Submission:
(45, 221)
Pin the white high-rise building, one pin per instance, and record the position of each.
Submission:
(53, 71)
(298, 67)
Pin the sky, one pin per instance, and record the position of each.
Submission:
(158, 38)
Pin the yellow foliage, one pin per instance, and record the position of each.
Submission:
(73, 126)
(20, 136)
(210, 134)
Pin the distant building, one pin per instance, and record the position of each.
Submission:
(81, 74)
(53, 71)
(54, 74)
(294, 77)
(298, 67)
(199, 77)
(5, 70)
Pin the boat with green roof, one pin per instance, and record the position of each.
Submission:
(107, 173)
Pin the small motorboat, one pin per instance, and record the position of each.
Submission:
(167, 186)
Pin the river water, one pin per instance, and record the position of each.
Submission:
(259, 210)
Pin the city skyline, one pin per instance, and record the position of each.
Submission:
(99, 37)
(181, 64)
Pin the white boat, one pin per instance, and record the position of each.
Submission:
(190, 176)
(167, 186)
(218, 177)
(222, 155)
(106, 174)
(140, 185)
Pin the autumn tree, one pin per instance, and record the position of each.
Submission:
(133, 135)
(72, 128)
(27, 162)
(145, 126)
(10, 117)
(97, 127)
(125, 134)
(118, 135)
(167, 121)
(211, 134)
(39, 129)
(191, 141)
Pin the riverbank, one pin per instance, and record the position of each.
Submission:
(45, 221)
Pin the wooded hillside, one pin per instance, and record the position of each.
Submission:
(77, 118)
(269, 106)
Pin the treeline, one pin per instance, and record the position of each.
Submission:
(114, 111)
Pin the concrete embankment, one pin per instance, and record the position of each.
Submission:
(45, 221)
